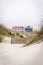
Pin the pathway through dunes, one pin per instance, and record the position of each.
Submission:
(15, 54)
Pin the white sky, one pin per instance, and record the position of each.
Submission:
(21, 12)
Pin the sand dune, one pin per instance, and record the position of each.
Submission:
(15, 54)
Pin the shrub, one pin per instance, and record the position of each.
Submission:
(21, 36)
(1, 38)
(17, 33)
(5, 31)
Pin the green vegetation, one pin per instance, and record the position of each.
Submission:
(4, 32)
(21, 36)
(36, 38)
(17, 33)
(1, 38)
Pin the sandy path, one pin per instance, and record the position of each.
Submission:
(14, 54)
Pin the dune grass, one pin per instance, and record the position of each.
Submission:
(36, 39)
(1, 38)
(4, 32)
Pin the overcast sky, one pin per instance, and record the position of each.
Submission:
(21, 12)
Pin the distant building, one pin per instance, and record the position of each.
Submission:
(19, 28)
(15, 28)
(28, 29)
(22, 29)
